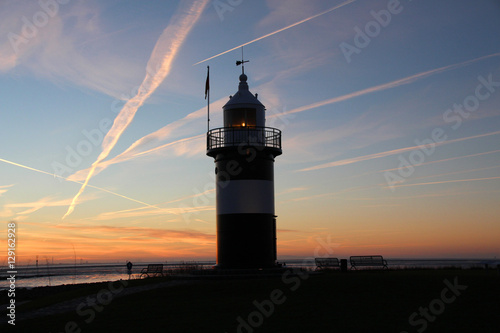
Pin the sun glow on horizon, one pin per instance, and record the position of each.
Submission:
(387, 149)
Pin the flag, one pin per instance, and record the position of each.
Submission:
(207, 83)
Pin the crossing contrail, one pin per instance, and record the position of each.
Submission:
(159, 66)
(75, 181)
(277, 31)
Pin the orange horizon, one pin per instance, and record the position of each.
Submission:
(65, 255)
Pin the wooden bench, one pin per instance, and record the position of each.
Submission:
(357, 261)
(152, 270)
(325, 263)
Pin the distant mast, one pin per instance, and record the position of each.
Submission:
(244, 151)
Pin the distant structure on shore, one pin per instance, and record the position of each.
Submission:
(244, 151)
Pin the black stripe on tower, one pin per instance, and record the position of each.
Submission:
(234, 166)
(246, 241)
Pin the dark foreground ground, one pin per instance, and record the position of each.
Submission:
(359, 301)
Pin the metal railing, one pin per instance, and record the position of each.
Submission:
(223, 137)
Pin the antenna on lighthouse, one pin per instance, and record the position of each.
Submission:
(242, 62)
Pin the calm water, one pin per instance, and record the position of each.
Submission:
(53, 275)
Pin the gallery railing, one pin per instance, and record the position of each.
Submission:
(224, 137)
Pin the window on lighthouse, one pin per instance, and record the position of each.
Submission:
(243, 118)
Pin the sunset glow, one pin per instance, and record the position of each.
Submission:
(389, 112)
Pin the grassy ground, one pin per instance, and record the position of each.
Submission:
(360, 301)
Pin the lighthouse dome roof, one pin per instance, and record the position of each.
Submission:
(243, 97)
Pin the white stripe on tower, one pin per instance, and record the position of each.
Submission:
(248, 196)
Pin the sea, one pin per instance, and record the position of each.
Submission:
(31, 276)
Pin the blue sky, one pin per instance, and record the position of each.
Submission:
(355, 86)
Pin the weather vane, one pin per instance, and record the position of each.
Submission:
(242, 62)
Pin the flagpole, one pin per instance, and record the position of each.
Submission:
(207, 91)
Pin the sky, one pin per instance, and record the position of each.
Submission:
(389, 112)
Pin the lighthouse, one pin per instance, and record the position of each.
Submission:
(244, 150)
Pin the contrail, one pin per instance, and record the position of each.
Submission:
(452, 173)
(392, 152)
(199, 136)
(129, 154)
(277, 31)
(159, 64)
(74, 181)
(446, 160)
(385, 86)
(447, 181)
(431, 162)
(163, 132)
(133, 151)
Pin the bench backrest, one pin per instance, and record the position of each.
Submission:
(367, 260)
(155, 268)
(326, 262)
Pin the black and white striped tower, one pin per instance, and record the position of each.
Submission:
(244, 151)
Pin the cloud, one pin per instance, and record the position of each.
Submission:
(78, 182)
(446, 181)
(433, 162)
(278, 31)
(180, 210)
(392, 152)
(5, 188)
(322, 195)
(140, 234)
(67, 47)
(36, 205)
(144, 212)
(194, 145)
(385, 86)
(293, 190)
(7, 61)
(154, 143)
(159, 66)
(451, 173)
(448, 159)
(145, 146)
(362, 131)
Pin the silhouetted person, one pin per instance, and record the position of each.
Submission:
(129, 269)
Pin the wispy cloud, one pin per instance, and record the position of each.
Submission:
(78, 182)
(140, 234)
(385, 86)
(278, 31)
(292, 190)
(37, 205)
(447, 181)
(154, 143)
(69, 47)
(362, 131)
(323, 195)
(448, 159)
(5, 188)
(189, 146)
(391, 152)
(144, 212)
(159, 66)
(179, 210)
